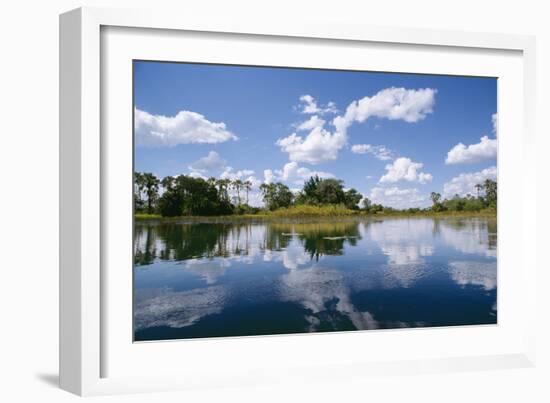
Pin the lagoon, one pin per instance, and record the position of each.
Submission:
(254, 277)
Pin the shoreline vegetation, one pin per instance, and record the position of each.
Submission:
(144, 217)
(186, 198)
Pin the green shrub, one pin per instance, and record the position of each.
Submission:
(306, 210)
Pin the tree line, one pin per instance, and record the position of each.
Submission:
(486, 197)
(316, 191)
(185, 195)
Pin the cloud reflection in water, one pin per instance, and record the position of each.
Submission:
(319, 268)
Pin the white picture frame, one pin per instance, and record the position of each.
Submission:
(86, 345)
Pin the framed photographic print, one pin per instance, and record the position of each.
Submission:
(241, 201)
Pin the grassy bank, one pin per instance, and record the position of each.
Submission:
(306, 210)
(318, 212)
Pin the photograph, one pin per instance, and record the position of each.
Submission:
(275, 200)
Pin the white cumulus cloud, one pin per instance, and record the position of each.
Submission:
(318, 146)
(310, 124)
(309, 105)
(269, 176)
(398, 198)
(184, 128)
(494, 119)
(485, 150)
(390, 103)
(196, 174)
(380, 152)
(465, 183)
(212, 162)
(404, 169)
(214, 166)
(293, 173)
(243, 174)
(321, 145)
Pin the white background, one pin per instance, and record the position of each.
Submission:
(28, 201)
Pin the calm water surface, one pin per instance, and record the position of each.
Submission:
(253, 278)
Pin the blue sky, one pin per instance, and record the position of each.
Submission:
(393, 137)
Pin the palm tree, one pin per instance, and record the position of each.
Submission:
(226, 186)
(139, 186)
(223, 185)
(367, 204)
(211, 181)
(436, 200)
(151, 184)
(269, 195)
(490, 187)
(167, 183)
(219, 185)
(237, 185)
(478, 189)
(247, 186)
(436, 197)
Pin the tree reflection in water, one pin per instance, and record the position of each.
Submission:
(209, 240)
(251, 278)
